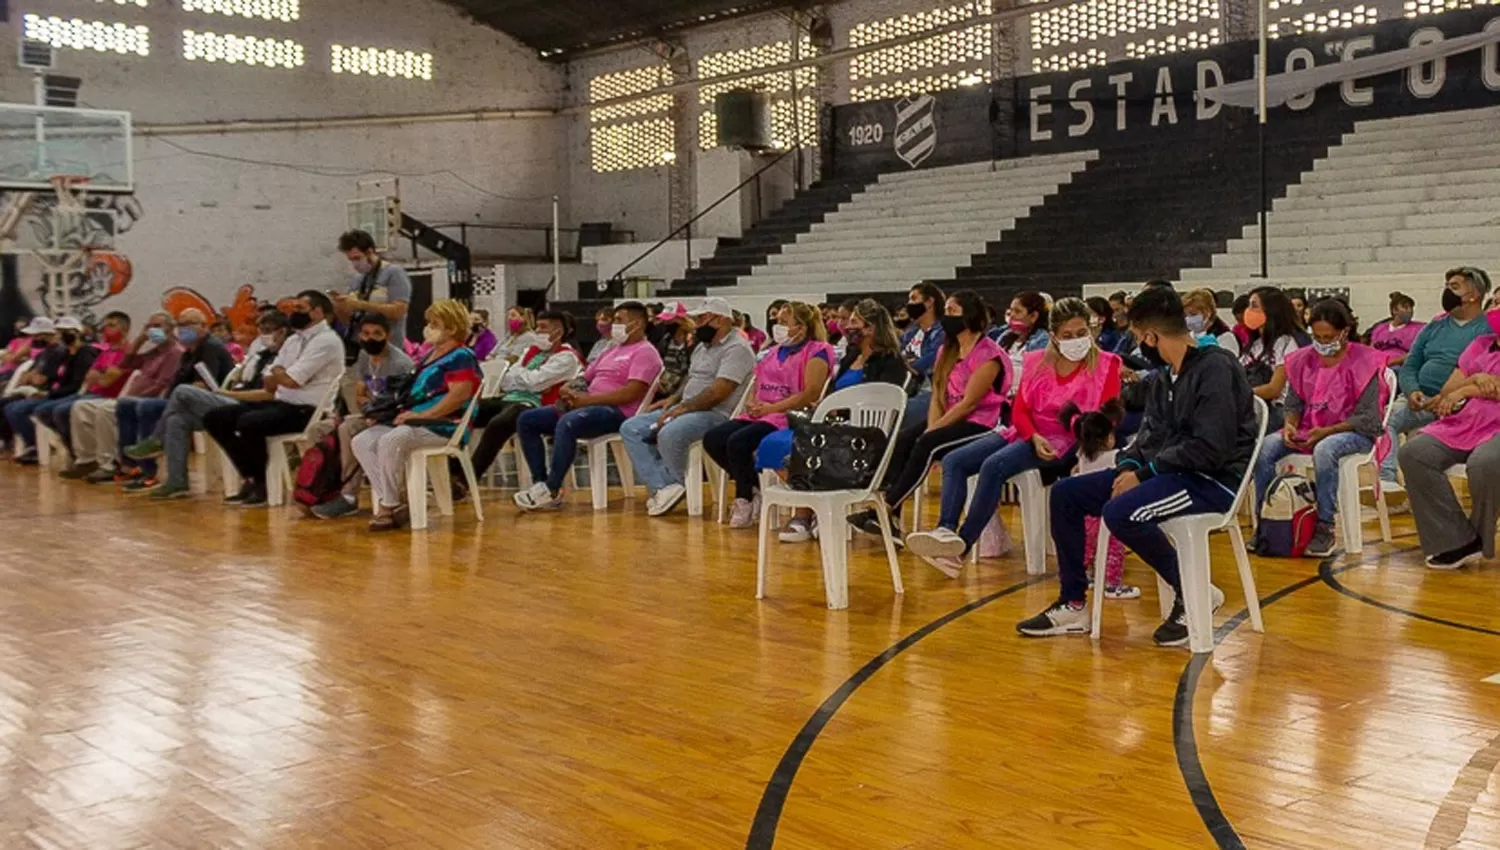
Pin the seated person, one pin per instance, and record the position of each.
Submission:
(675, 345)
(921, 342)
(603, 323)
(1335, 407)
(104, 381)
(137, 417)
(67, 381)
(1467, 432)
(482, 341)
(380, 360)
(1203, 320)
(872, 354)
(222, 332)
(16, 352)
(1395, 336)
(536, 380)
(790, 376)
(1026, 330)
(659, 438)
(309, 364)
(520, 326)
(1275, 332)
(189, 403)
(1071, 372)
(1189, 457)
(48, 356)
(1433, 357)
(617, 385)
(974, 374)
(429, 415)
(92, 421)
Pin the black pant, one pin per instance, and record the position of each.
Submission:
(498, 419)
(241, 431)
(917, 449)
(732, 446)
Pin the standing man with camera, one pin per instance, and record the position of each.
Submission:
(376, 287)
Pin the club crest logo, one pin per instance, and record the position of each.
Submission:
(916, 129)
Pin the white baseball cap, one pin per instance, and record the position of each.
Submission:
(713, 307)
(39, 325)
(69, 323)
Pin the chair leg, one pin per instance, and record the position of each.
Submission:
(1034, 530)
(1247, 577)
(599, 476)
(278, 473)
(467, 466)
(627, 470)
(721, 493)
(228, 475)
(890, 545)
(1165, 595)
(43, 444)
(917, 499)
(523, 472)
(416, 491)
(1381, 509)
(835, 562)
(1197, 591)
(760, 559)
(1101, 561)
(1349, 510)
(442, 483)
(694, 476)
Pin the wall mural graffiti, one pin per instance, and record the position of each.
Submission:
(241, 314)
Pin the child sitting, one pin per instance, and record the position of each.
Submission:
(1095, 433)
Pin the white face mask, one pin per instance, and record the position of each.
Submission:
(1196, 323)
(432, 334)
(618, 332)
(267, 341)
(780, 334)
(1076, 349)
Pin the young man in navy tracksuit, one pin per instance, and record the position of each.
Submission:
(1191, 453)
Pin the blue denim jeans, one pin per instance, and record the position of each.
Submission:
(1404, 420)
(1326, 457)
(566, 429)
(57, 414)
(995, 469)
(135, 419)
(18, 413)
(665, 462)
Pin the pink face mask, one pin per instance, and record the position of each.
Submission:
(516, 325)
(1019, 326)
(1494, 319)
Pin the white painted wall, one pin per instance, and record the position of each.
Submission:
(265, 208)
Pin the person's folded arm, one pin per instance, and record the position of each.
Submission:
(980, 384)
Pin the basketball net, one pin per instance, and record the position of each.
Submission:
(67, 219)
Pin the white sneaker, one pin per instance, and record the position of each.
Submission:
(950, 567)
(538, 498)
(741, 514)
(797, 531)
(1059, 619)
(665, 499)
(937, 543)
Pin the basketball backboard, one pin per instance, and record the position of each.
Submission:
(379, 217)
(38, 143)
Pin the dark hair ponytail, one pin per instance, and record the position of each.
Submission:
(1092, 430)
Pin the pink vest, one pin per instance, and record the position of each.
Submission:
(987, 412)
(777, 380)
(1479, 421)
(1395, 343)
(1046, 395)
(1329, 394)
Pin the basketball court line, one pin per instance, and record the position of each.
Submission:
(1491, 680)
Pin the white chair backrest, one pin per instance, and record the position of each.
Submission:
(456, 440)
(1390, 399)
(651, 390)
(872, 405)
(15, 377)
(129, 384)
(1262, 417)
(232, 377)
(324, 408)
(493, 372)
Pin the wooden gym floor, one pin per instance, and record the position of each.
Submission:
(189, 676)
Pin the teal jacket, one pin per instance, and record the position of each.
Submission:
(1434, 355)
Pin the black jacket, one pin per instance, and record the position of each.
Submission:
(1203, 421)
(75, 367)
(882, 368)
(210, 353)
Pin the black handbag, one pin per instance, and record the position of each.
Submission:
(384, 408)
(835, 456)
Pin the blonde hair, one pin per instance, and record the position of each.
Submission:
(1064, 311)
(452, 316)
(808, 316)
(1202, 300)
(527, 317)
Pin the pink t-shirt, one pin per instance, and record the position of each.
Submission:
(1044, 394)
(987, 412)
(778, 379)
(1479, 421)
(1394, 342)
(617, 367)
(109, 358)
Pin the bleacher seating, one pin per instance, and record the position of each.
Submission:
(1392, 207)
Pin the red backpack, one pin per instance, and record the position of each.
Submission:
(1288, 518)
(320, 476)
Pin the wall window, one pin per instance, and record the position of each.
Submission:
(269, 10)
(1090, 32)
(1320, 20)
(242, 50)
(1432, 7)
(943, 61)
(1174, 43)
(88, 35)
(375, 61)
(634, 133)
(790, 95)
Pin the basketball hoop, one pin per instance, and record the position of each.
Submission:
(66, 187)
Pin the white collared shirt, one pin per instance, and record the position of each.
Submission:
(314, 358)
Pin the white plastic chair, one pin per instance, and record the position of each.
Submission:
(1190, 535)
(47, 442)
(279, 481)
(698, 459)
(1036, 521)
(13, 386)
(1351, 522)
(869, 405)
(432, 463)
(597, 449)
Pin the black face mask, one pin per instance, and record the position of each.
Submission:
(1451, 301)
(1153, 356)
(705, 335)
(915, 311)
(69, 337)
(903, 324)
(953, 326)
(372, 347)
(300, 321)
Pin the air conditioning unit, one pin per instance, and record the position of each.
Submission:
(36, 55)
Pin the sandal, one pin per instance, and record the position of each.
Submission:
(384, 522)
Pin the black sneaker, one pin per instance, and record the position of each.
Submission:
(868, 522)
(1174, 630)
(256, 499)
(247, 489)
(1323, 542)
(1059, 619)
(1456, 558)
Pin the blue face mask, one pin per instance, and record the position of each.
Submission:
(1196, 323)
(156, 335)
(187, 336)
